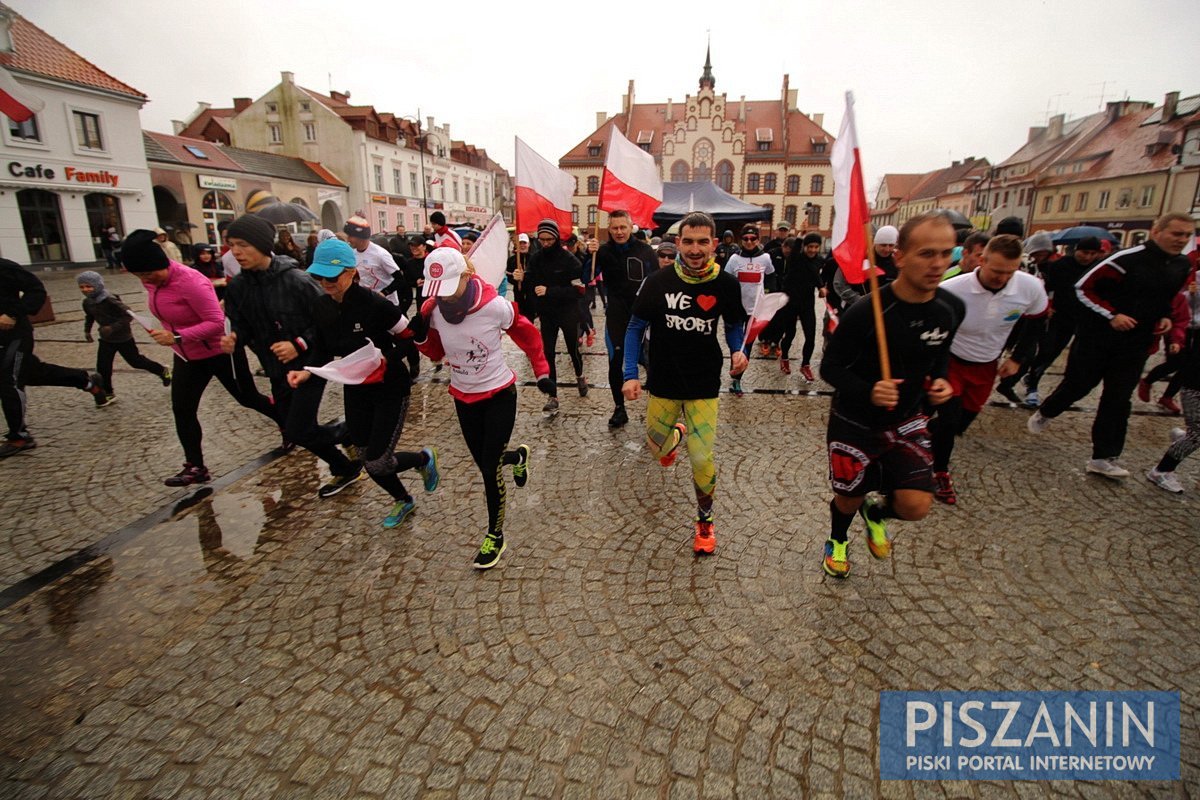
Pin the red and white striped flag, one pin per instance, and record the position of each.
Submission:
(631, 181)
(765, 308)
(543, 192)
(850, 210)
(490, 253)
(17, 102)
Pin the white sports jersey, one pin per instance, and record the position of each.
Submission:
(376, 269)
(472, 347)
(750, 273)
(991, 315)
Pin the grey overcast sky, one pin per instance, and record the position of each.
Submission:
(933, 81)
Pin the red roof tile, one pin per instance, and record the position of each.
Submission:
(38, 53)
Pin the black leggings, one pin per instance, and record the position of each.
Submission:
(567, 322)
(106, 351)
(187, 387)
(801, 308)
(486, 427)
(375, 415)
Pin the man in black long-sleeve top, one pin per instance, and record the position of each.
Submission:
(556, 279)
(1126, 303)
(625, 263)
(21, 296)
(878, 437)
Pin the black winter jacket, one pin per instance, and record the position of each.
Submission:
(273, 305)
(561, 274)
(21, 296)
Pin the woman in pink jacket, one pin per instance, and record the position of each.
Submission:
(184, 302)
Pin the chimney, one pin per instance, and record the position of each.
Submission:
(629, 109)
(955, 164)
(1035, 132)
(341, 97)
(670, 108)
(6, 43)
(240, 104)
(1170, 103)
(287, 77)
(177, 126)
(601, 118)
(742, 110)
(1055, 129)
(820, 120)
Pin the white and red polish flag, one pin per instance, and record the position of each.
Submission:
(17, 102)
(631, 181)
(765, 308)
(489, 256)
(850, 210)
(543, 192)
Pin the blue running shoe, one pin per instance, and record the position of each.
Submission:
(429, 472)
(399, 513)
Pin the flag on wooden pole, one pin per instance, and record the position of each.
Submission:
(543, 192)
(851, 213)
(631, 181)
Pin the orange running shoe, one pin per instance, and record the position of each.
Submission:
(591, 338)
(705, 542)
(764, 349)
(671, 455)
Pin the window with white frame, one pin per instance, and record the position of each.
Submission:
(276, 134)
(383, 226)
(412, 183)
(1125, 198)
(87, 130)
(310, 132)
(396, 180)
(378, 177)
(1147, 196)
(26, 131)
(1102, 202)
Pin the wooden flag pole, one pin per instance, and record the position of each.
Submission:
(885, 363)
(596, 236)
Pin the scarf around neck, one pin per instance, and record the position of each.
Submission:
(705, 273)
(455, 311)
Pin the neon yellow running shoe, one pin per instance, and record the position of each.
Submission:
(836, 563)
(877, 538)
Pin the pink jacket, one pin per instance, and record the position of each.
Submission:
(187, 306)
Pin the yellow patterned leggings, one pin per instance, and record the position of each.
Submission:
(700, 416)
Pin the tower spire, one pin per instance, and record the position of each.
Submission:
(706, 78)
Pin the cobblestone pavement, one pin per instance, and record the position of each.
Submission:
(264, 643)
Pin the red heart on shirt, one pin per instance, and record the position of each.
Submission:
(706, 301)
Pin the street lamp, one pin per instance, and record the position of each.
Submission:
(424, 185)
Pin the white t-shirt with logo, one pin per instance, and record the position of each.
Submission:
(376, 269)
(991, 315)
(473, 346)
(750, 273)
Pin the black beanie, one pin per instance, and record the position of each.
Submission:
(1012, 225)
(437, 218)
(548, 226)
(254, 230)
(141, 253)
(812, 238)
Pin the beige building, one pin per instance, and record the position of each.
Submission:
(903, 196)
(1144, 161)
(765, 152)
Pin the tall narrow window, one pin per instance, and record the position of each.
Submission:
(87, 130)
(276, 134)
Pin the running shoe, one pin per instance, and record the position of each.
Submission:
(166, 377)
(1143, 390)
(836, 564)
(351, 452)
(521, 468)
(1036, 423)
(189, 475)
(340, 482)
(1169, 405)
(95, 387)
(785, 367)
(877, 539)
(705, 542)
(673, 453)
(551, 406)
(429, 473)
(101, 400)
(13, 446)
(776, 350)
(490, 551)
(399, 513)
(736, 388)
(619, 417)
(764, 349)
(1032, 399)
(582, 383)
(1007, 392)
(591, 338)
(1108, 468)
(1165, 480)
(944, 490)
(1177, 434)
(807, 373)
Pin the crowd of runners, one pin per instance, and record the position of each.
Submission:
(959, 310)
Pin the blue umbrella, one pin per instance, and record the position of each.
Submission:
(1073, 235)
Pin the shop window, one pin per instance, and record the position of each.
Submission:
(216, 207)
(103, 212)
(41, 217)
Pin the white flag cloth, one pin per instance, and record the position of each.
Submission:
(543, 192)
(631, 180)
(146, 321)
(489, 256)
(354, 368)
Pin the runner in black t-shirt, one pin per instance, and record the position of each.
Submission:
(681, 305)
(877, 436)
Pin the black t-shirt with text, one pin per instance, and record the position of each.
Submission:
(918, 337)
(686, 359)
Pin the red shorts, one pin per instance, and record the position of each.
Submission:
(972, 382)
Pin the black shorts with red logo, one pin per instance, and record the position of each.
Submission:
(863, 460)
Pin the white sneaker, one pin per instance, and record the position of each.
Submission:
(1177, 434)
(1033, 399)
(1165, 480)
(1037, 423)
(1106, 467)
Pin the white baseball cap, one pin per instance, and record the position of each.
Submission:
(443, 268)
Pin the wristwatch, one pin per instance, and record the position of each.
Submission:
(178, 339)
